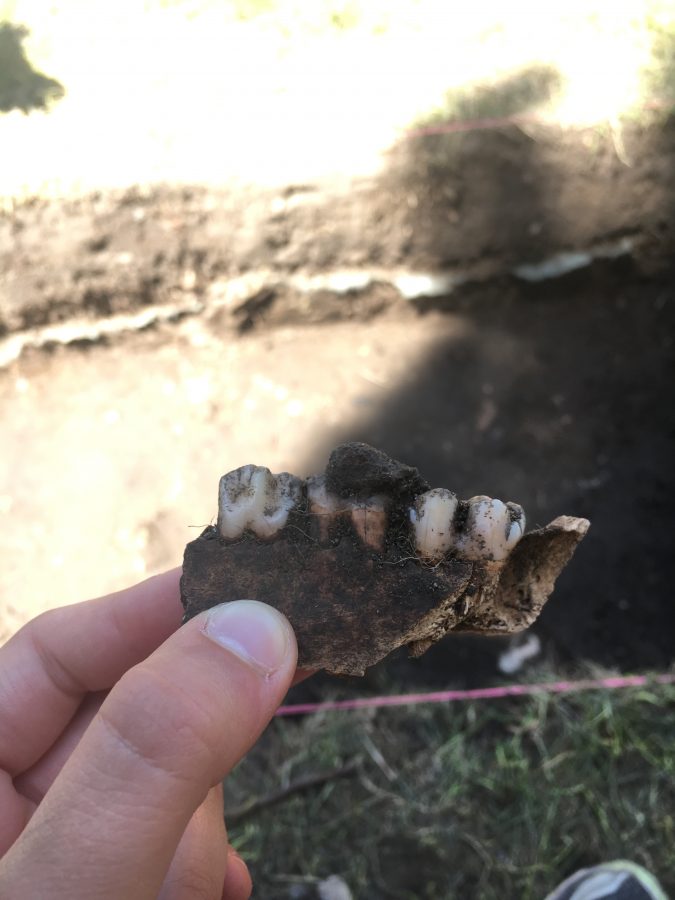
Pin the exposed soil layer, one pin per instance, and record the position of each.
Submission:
(556, 394)
(476, 203)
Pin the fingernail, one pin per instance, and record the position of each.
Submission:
(255, 632)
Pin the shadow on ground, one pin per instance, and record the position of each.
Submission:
(557, 394)
(22, 87)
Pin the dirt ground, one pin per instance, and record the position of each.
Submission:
(151, 340)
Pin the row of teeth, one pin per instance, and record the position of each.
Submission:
(486, 528)
(253, 499)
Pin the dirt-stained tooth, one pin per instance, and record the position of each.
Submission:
(324, 507)
(517, 529)
(253, 498)
(369, 519)
(491, 529)
(432, 518)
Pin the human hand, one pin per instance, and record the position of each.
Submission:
(116, 730)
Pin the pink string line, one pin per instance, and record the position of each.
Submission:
(490, 693)
(462, 125)
(459, 125)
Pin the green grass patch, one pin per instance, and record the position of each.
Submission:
(659, 77)
(530, 88)
(487, 799)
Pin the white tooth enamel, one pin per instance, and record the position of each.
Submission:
(370, 521)
(252, 497)
(490, 531)
(432, 518)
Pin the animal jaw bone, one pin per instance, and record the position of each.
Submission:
(366, 558)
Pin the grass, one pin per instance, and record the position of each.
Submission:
(520, 92)
(659, 75)
(481, 800)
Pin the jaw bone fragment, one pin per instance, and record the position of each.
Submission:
(366, 558)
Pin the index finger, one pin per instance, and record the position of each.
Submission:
(52, 662)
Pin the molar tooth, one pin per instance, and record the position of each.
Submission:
(432, 518)
(252, 497)
(368, 517)
(326, 508)
(370, 521)
(491, 530)
(517, 527)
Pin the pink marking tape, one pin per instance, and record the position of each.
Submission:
(491, 693)
(462, 125)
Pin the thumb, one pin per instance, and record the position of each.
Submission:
(171, 729)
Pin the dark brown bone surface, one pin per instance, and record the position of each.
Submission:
(351, 604)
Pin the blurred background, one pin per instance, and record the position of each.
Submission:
(238, 231)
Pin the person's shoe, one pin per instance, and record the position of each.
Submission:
(618, 880)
